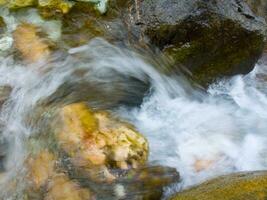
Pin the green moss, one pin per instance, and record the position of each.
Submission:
(248, 186)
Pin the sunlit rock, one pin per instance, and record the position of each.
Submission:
(98, 142)
(30, 44)
(240, 186)
(44, 175)
(62, 188)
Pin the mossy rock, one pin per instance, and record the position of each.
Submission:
(212, 39)
(239, 186)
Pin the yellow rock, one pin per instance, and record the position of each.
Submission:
(61, 188)
(202, 164)
(28, 42)
(20, 3)
(96, 140)
(239, 186)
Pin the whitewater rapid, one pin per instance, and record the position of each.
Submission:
(225, 126)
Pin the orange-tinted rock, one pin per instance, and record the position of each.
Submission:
(201, 164)
(62, 188)
(41, 168)
(98, 142)
(30, 44)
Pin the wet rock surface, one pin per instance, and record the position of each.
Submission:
(211, 39)
(97, 156)
(97, 142)
(29, 42)
(249, 186)
(2, 25)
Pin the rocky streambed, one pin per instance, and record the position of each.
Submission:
(134, 99)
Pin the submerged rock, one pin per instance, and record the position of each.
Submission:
(46, 182)
(97, 142)
(240, 186)
(62, 188)
(29, 42)
(50, 8)
(5, 92)
(212, 39)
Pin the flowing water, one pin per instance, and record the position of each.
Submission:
(224, 128)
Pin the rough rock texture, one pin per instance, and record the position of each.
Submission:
(210, 38)
(97, 142)
(240, 186)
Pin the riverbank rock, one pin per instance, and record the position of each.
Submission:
(212, 39)
(30, 43)
(42, 168)
(240, 186)
(97, 142)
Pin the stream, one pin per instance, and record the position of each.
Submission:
(224, 127)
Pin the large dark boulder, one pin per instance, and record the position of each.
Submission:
(240, 186)
(211, 38)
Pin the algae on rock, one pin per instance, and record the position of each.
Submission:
(239, 186)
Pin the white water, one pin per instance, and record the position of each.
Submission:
(227, 125)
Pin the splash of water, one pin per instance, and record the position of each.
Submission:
(224, 127)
